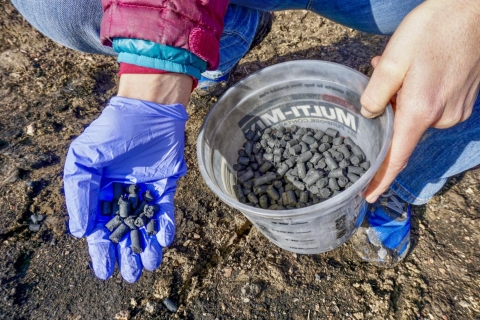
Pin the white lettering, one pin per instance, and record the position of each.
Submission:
(347, 118)
(305, 110)
(330, 116)
(295, 112)
(317, 112)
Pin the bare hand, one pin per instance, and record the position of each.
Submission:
(432, 65)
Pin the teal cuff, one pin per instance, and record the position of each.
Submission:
(157, 56)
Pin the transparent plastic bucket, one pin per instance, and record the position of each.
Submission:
(305, 93)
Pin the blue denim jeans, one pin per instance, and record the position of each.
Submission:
(439, 155)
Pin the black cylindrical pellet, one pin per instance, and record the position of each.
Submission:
(257, 147)
(344, 149)
(254, 166)
(348, 185)
(265, 179)
(327, 139)
(314, 146)
(273, 193)
(352, 177)
(337, 173)
(302, 171)
(151, 210)
(296, 149)
(35, 227)
(248, 184)
(304, 147)
(315, 158)
(358, 152)
(147, 196)
(252, 198)
(277, 184)
(243, 160)
(268, 156)
(356, 170)
(312, 178)
(135, 241)
(324, 193)
(241, 172)
(132, 189)
(242, 153)
(292, 143)
(337, 141)
(248, 146)
(263, 202)
(327, 154)
(291, 198)
(117, 235)
(342, 181)
(321, 164)
(304, 157)
(301, 205)
(238, 191)
(243, 199)
(324, 147)
(309, 165)
(259, 158)
(322, 183)
(354, 160)
(313, 189)
(332, 164)
(336, 192)
(263, 143)
(344, 163)
(282, 169)
(130, 222)
(331, 132)
(265, 167)
(256, 174)
(289, 178)
(308, 139)
(152, 227)
(365, 165)
(301, 131)
(123, 207)
(277, 151)
(117, 190)
(337, 155)
(141, 220)
(238, 167)
(113, 223)
(299, 185)
(256, 136)
(349, 142)
(318, 135)
(316, 199)
(246, 176)
(291, 161)
(249, 134)
(106, 208)
(303, 197)
(259, 190)
(332, 184)
(133, 199)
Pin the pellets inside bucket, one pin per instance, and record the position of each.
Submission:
(294, 167)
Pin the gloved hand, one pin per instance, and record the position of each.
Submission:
(132, 141)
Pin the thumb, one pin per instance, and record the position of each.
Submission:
(387, 79)
(82, 185)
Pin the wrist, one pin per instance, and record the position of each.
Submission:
(167, 88)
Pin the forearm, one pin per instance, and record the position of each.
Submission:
(167, 88)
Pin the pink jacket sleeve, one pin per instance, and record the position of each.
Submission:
(194, 25)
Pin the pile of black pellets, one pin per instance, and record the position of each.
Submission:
(130, 214)
(294, 167)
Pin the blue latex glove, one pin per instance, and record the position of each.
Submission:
(132, 141)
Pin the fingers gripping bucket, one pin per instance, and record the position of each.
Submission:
(307, 93)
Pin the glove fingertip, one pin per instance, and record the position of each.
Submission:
(103, 259)
(130, 264)
(152, 254)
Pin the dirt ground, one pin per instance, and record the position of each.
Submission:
(219, 267)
